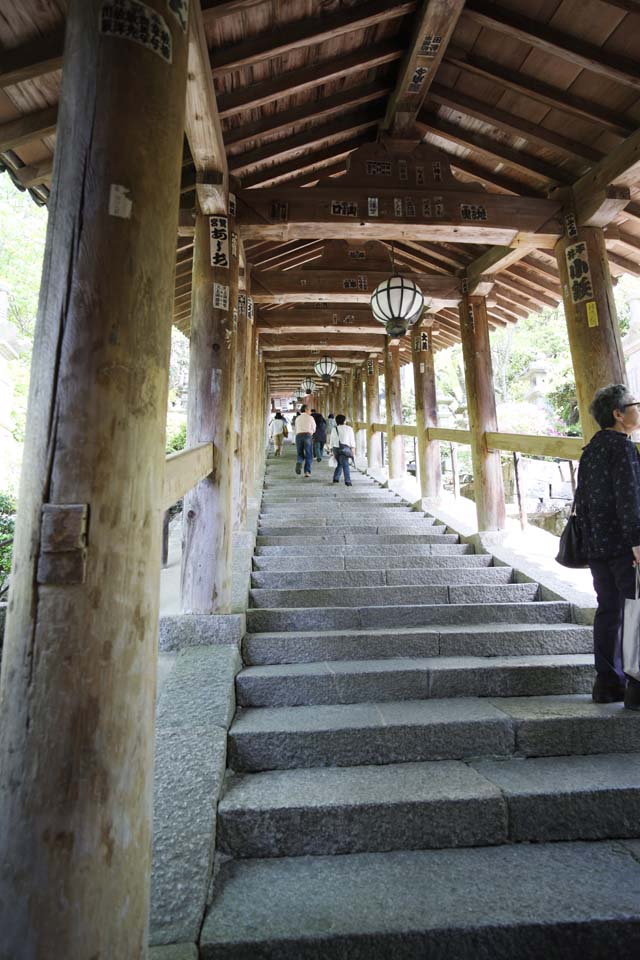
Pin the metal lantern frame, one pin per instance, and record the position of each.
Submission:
(397, 316)
(326, 367)
(308, 385)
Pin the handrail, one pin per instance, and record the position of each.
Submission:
(184, 469)
(453, 436)
(561, 448)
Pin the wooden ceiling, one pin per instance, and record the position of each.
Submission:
(524, 97)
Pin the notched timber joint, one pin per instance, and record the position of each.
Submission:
(63, 544)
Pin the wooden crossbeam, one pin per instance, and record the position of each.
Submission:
(432, 31)
(32, 59)
(202, 122)
(341, 286)
(291, 82)
(314, 136)
(281, 171)
(554, 42)
(492, 261)
(493, 178)
(535, 89)
(511, 123)
(495, 150)
(318, 110)
(35, 173)
(271, 255)
(25, 129)
(621, 167)
(282, 214)
(307, 32)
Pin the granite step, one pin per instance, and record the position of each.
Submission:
(355, 618)
(406, 562)
(337, 735)
(480, 640)
(323, 811)
(405, 678)
(568, 900)
(441, 546)
(437, 535)
(383, 596)
(343, 527)
(342, 579)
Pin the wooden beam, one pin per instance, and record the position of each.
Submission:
(282, 214)
(620, 167)
(494, 149)
(291, 82)
(600, 208)
(492, 177)
(305, 33)
(25, 129)
(313, 136)
(511, 123)
(494, 260)
(202, 122)
(318, 110)
(35, 173)
(432, 31)
(32, 59)
(341, 286)
(535, 89)
(291, 168)
(554, 42)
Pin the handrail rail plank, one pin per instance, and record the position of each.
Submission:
(184, 469)
(453, 436)
(562, 448)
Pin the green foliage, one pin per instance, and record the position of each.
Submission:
(177, 440)
(7, 527)
(23, 227)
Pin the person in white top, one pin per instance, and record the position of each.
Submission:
(342, 443)
(276, 432)
(305, 429)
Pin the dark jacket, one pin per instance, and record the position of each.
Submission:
(321, 428)
(608, 495)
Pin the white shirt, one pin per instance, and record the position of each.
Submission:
(276, 427)
(305, 423)
(342, 434)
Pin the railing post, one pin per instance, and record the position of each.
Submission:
(424, 378)
(77, 697)
(372, 389)
(481, 406)
(394, 408)
(590, 312)
(208, 507)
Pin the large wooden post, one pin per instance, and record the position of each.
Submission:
(481, 407)
(79, 668)
(241, 413)
(592, 323)
(208, 507)
(374, 438)
(424, 378)
(396, 457)
(358, 414)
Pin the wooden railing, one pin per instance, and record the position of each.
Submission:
(184, 470)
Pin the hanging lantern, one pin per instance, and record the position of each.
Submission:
(397, 302)
(326, 368)
(307, 385)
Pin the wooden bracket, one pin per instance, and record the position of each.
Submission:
(63, 544)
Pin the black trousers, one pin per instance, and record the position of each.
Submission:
(613, 580)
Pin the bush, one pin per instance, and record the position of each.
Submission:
(7, 526)
(178, 440)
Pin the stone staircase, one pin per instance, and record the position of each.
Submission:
(415, 768)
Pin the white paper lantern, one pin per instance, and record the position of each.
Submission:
(326, 368)
(307, 385)
(397, 302)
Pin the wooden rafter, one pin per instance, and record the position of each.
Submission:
(432, 31)
(293, 82)
(305, 33)
(554, 42)
(25, 129)
(291, 168)
(32, 59)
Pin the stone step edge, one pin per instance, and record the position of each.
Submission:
(483, 628)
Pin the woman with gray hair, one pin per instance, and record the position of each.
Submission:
(608, 513)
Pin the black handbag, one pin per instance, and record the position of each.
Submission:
(571, 550)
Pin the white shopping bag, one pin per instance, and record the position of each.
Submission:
(631, 634)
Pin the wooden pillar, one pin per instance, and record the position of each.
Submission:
(481, 406)
(208, 507)
(374, 439)
(592, 323)
(349, 407)
(358, 414)
(77, 696)
(394, 409)
(424, 378)
(241, 411)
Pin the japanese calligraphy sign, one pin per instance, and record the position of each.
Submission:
(131, 20)
(570, 225)
(403, 171)
(430, 45)
(279, 210)
(370, 367)
(220, 296)
(417, 79)
(232, 205)
(219, 241)
(242, 304)
(379, 168)
(250, 309)
(580, 284)
(372, 206)
(344, 208)
(473, 211)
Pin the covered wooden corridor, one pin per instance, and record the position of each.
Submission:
(250, 171)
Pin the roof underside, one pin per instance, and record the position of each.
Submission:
(527, 97)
